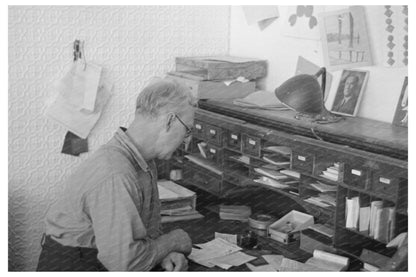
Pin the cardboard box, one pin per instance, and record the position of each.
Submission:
(201, 89)
(222, 67)
(287, 229)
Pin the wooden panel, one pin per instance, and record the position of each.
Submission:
(366, 134)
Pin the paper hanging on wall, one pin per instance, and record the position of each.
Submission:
(302, 22)
(345, 39)
(80, 84)
(393, 29)
(66, 110)
(74, 145)
(262, 15)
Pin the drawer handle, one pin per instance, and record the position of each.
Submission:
(301, 158)
(251, 141)
(198, 126)
(356, 172)
(385, 180)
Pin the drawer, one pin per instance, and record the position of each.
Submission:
(303, 162)
(214, 154)
(233, 140)
(199, 129)
(213, 134)
(202, 179)
(385, 181)
(357, 174)
(251, 145)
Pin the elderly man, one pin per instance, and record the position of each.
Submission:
(348, 100)
(109, 215)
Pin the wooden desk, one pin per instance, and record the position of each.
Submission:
(203, 230)
(371, 156)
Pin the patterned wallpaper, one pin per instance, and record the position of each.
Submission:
(132, 43)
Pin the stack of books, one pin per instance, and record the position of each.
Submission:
(218, 77)
(374, 220)
(235, 212)
(372, 261)
(177, 202)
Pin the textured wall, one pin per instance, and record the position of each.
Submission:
(132, 43)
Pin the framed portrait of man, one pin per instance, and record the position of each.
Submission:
(349, 92)
(402, 109)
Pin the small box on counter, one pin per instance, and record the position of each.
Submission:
(222, 67)
(287, 229)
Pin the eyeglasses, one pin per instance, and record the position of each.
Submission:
(188, 129)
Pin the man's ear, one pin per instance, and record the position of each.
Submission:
(169, 120)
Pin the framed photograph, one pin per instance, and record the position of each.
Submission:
(401, 116)
(349, 92)
(345, 38)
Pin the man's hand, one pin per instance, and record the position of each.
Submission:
(175, 261)
(182, 240)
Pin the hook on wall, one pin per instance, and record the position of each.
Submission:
(79, 52)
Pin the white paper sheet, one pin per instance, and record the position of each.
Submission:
(78, 121)
(256, 14)
(80, 84)
(274, 261)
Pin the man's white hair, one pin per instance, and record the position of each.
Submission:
(163, 96)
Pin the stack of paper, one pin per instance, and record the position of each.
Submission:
(328, 261)
(278, 149)
(205, 164)
(276, 159)
(271, 182)
(235, 212)
(322, 187)
(318, 202)
(177, 202)
(219, 252)
(332, 172)
(291, 173)
(352, 211)
(274, 174)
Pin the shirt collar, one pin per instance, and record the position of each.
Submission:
(128, 143)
